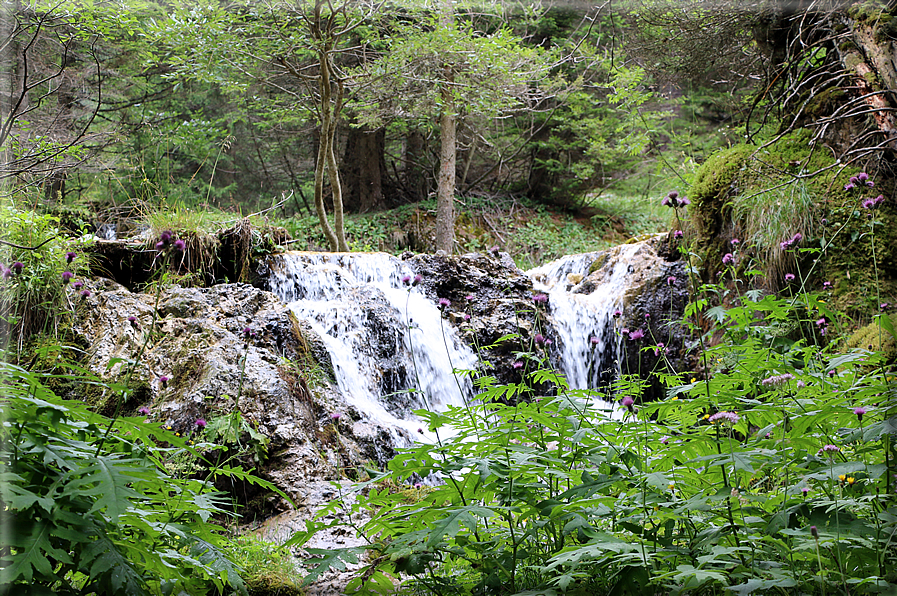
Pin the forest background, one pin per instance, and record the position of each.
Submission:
(542, 130)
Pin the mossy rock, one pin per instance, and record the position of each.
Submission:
(875, 338)
(714, 184)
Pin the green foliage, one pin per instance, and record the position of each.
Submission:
(268, 570)
(88, 508)
(31, 299)
(772, 471)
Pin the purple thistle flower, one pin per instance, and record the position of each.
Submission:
(466, 317)
(165, 237)
(860, 412)
(180, 245)
(160, 245)
(777, 380)
(143, 410)
(849, 186)
(627, 402)
(734, 241)
(494, 250)
(678, 234)
(247, 332)
(826, 285)
(540, 298)
(789, 277)
(797, 238)
(618, 314)
(673, 195)
(517, 364)
(830, 449)
(164, 380)
(539, 339)
(805, 490)
(85, 293)
(417, 279)
(785, 245)
(730, 416)
(17, 267)
(636, 335)
(684, 201)
(70, 256)
(728, 259)
(200, 423)
(820, 322)
(133, 321)
(814, 532)
(660, 348)
(335, 416)
(7, 273)
(469, 298)
(418, 486)
(406, 279)
(861, 177)
(594, 340)
(444, 303)
(800, 384)
(625, 330)
(78, 285)
(67, 276)
(420, 431)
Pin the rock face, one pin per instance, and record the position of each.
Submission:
(273, 378)
(490, 298)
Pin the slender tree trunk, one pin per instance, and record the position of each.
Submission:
(445, 186)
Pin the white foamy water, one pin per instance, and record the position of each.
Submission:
(587, 363)
(367, 317)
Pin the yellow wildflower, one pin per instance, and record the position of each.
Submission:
(851, 480)
(842, 477)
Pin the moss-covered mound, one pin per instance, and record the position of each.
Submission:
(764, 195)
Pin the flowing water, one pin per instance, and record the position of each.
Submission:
(589, 343)
(393, 352)
(384, 336)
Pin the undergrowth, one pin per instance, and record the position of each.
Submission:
(770, 470)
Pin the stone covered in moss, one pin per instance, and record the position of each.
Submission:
(764, 195)
(875, 338)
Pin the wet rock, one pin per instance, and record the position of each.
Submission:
(490, 298)
(214, 369)
(653, 302)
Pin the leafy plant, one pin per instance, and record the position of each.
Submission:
(38, 264)
(87, 511)
(769, 471)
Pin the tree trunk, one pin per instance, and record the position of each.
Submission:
(871, 65)
(445, 184)
(364, 171)
(445, 194)
(417, 178)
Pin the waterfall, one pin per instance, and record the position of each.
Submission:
(390, 348)
(589, 346)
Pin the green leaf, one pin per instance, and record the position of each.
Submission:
(31, 556)
(335, 558)
(451, 524)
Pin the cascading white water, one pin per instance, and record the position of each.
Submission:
(588, 341)
(365, 313)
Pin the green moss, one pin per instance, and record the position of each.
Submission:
(186, 373)
(824, 103)
(873, 337)
(713, 185)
